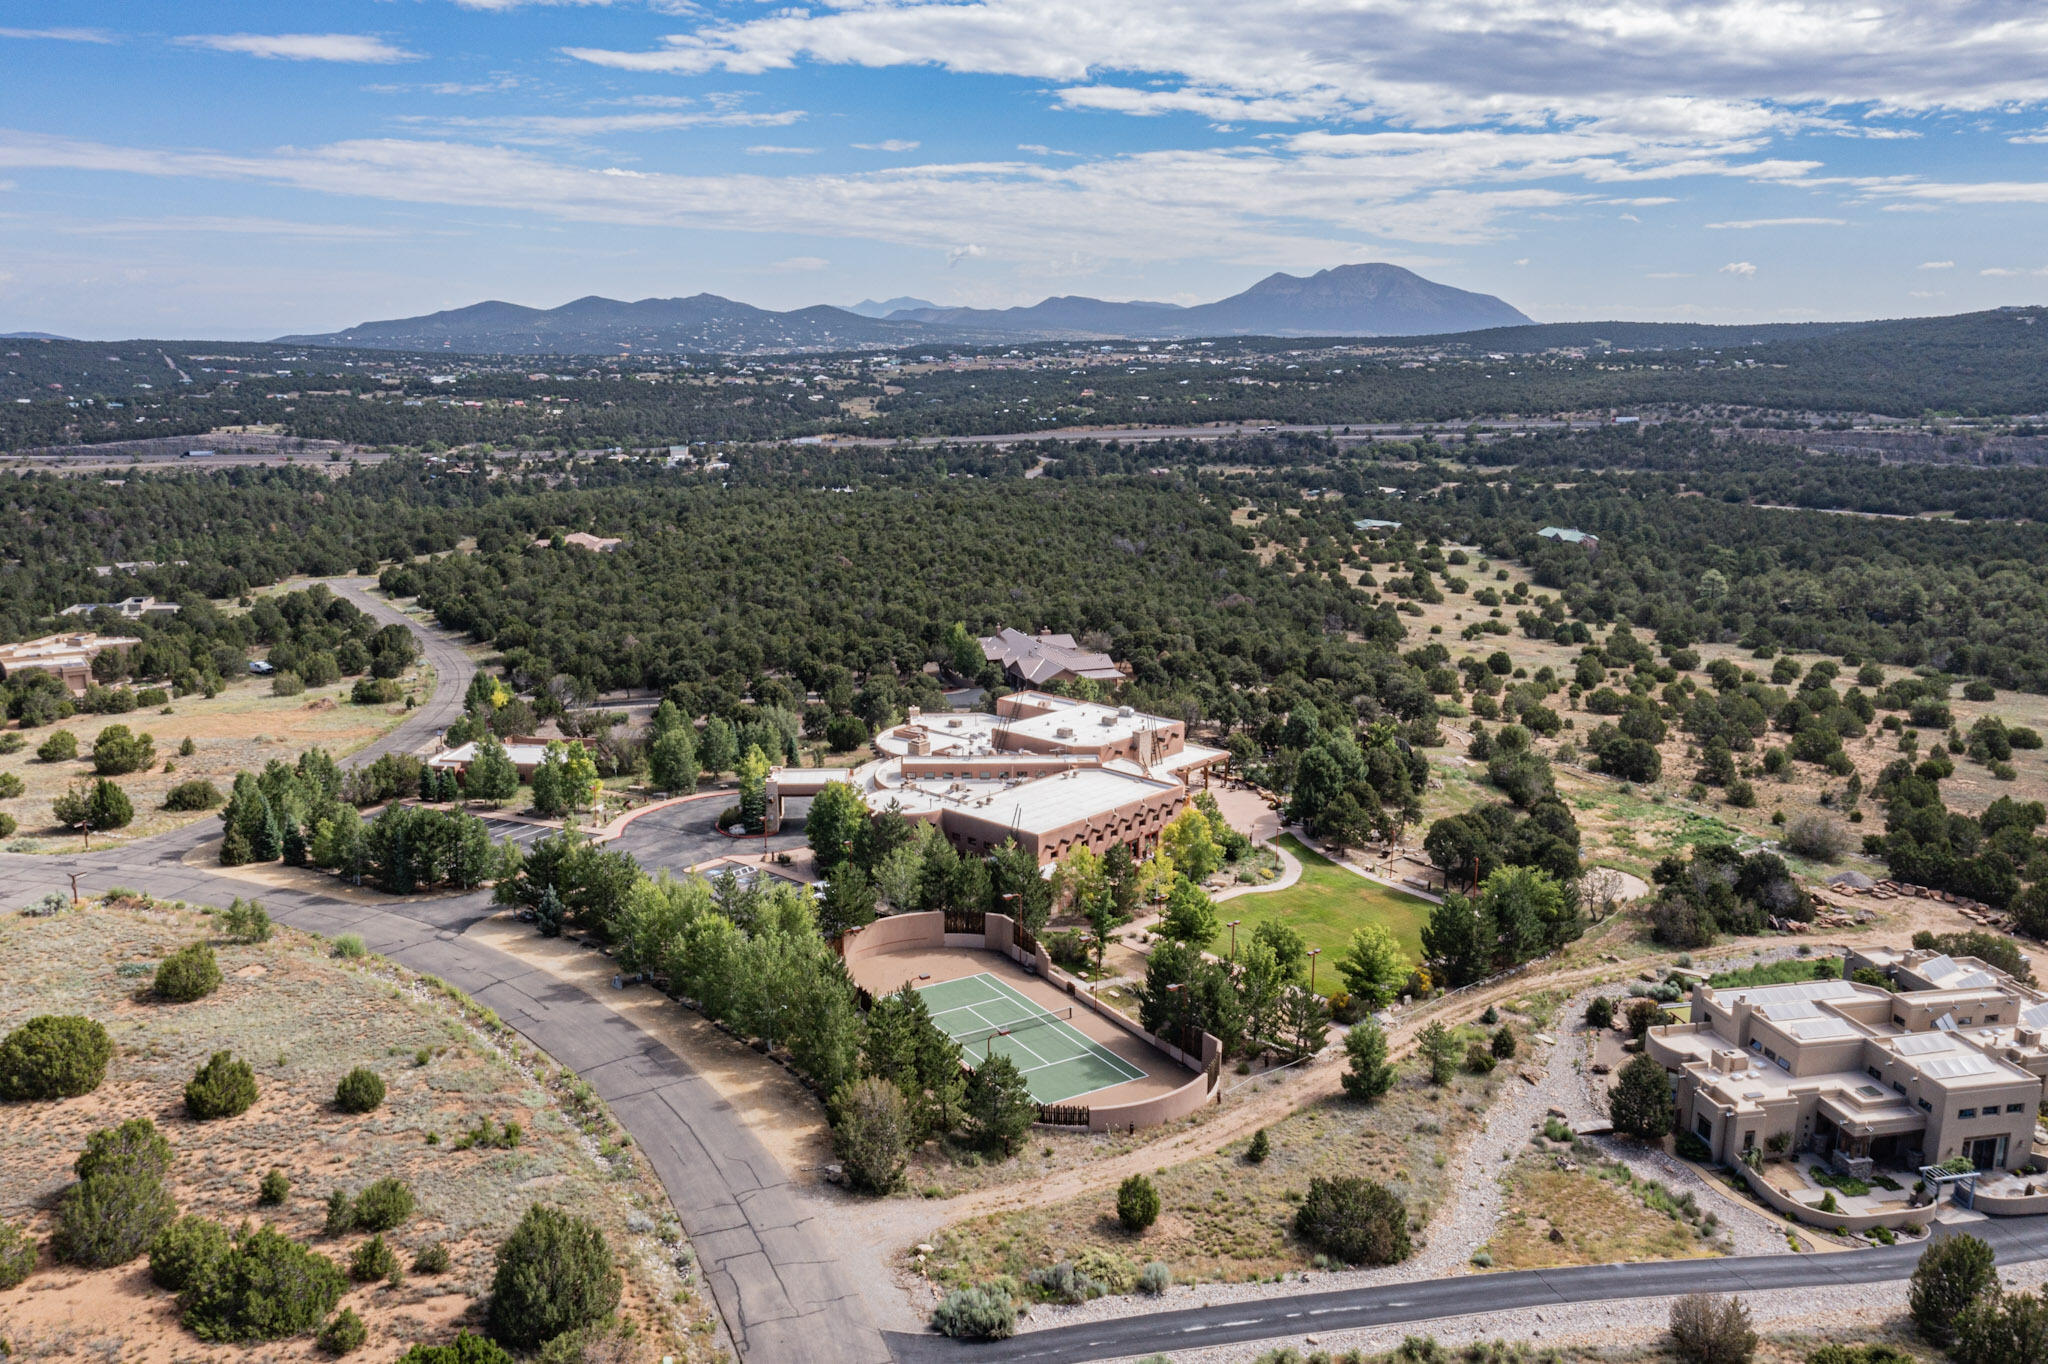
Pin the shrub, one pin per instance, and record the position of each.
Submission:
(870, 1133)
(266, 1288)
(554, 1274)
(118, 751)
(374, 1259)
(222, 1088)
(1479, 1060)
(197, 794)
(349, 947)
(54, 1056)
(1261, 1146)
(287, 684)
(1504, 1043)
(1640, 1105)
(1137, 1203)
(984, 1313)
(381, 1206)
(1816, 836)
(374, 691)
(134, 1147)
(341, 1213)
(1354, 1220)
(432, 1259)
(1156, 1279)
(60, 747)
(187, 974)
(1065, 1283)
(95, 806)
(1710, 1330)
(186, 1251)
(466, 1349)
(274, 1189)
(1440, 1050)
(344, 1333)
(17, 1255)
(8, 824)
(1953, 1273)
(247, 921)
(361, 1090)
(110, 1218)
(2002, 1328)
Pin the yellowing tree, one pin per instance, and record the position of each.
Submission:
(1192, 843)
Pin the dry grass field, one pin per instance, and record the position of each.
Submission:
(238, 730)
(302, 1018)
(1224, 1218)
(1561, 1211)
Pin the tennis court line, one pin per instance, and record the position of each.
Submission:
(1014, 1041)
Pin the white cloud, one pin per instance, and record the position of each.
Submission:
(961, 253)
(1937, 265)
(798, 264)
(773, 149)
(304, 47)
(1737, 267)
(2007, 272)
(60, 35)
(894, 144)
(544, 129)
(1523, 261)
(1745, 224)
(1750, 66)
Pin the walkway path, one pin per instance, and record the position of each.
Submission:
(781, 1292)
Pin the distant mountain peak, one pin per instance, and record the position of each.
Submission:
(1368, 299)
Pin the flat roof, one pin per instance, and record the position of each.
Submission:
(1035, 805)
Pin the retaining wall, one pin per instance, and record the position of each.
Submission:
(928, 930)
(1814, 1217)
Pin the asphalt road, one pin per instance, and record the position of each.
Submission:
(1280, 1318)
(777, 1286)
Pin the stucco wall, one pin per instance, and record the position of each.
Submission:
(1814, 1217)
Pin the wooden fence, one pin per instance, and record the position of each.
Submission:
(966, 921)
(1063, 1115)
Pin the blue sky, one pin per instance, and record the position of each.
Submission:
(220, 169)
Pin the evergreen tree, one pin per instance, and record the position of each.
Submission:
(294, 846)
(491, 774)
(1368, 1075)
(672, 759)
(999, 1107)
(1641, 1102)
(548, 913)
(720, 751)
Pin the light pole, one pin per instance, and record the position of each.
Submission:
(1313, 953)
(1232, 926)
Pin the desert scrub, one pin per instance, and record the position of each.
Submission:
(554, 1274)
(359, 1091)
(266, 1287)
(54, 1057)
(375, 1259)
(344, 1333)
(186, 1251)
(381, 1206)
(188, 974)
(349, 947)
(432, 1259)
(17, 1255)
(223, 1088)
(1223, 1218)
(275, 1188)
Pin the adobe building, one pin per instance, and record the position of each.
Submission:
(1043, 658)
(1050, 772)
(68, 656)
(1951, 1064)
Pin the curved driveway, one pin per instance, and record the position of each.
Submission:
(781, 1293)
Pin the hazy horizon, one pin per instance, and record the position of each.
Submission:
(209, 169)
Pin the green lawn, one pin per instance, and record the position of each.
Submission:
(1778, 972)
(1325, 906)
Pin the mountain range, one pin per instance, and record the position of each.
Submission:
(1349, 300)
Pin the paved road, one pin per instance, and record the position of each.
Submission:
(2016, 1240)
(781, 1293)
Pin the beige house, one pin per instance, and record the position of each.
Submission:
(1048, 771)
(68, 656)
(1950, 1065)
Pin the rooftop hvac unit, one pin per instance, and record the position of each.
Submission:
(1063, 733)
(1125, 711)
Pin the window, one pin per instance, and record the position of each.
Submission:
(1990, 1018)
(1926, 1107)
(2015, 1108)
(1770, 1054)
(1964, 1022)
(1784, 1063)
(1898, 1088)
(1873, 1072)
(1966, 1113)
(1749, 1141)
(1898, 1020)
(1704, 1125)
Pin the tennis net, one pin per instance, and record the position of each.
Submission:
(1021, 1025)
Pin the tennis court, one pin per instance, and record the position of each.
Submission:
(987, 1017)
